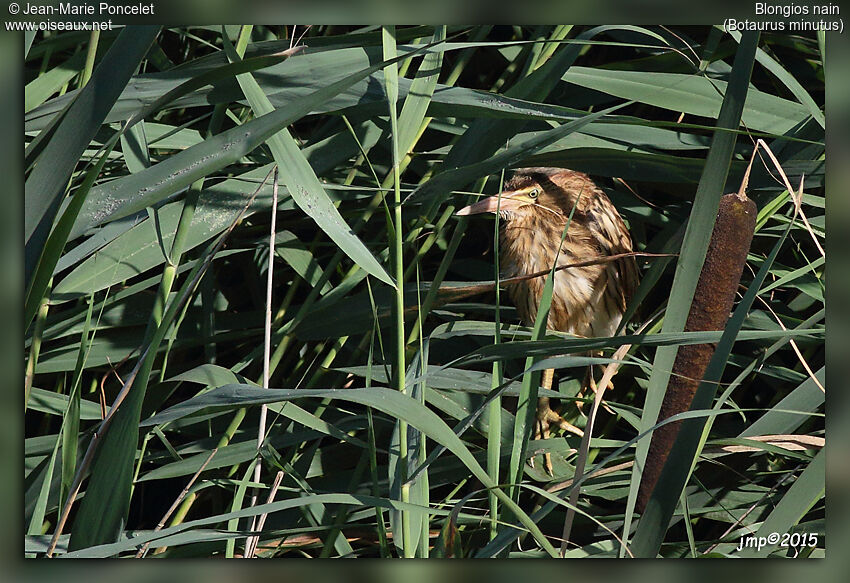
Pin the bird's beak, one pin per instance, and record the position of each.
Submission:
(510, 200)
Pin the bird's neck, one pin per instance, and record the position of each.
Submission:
(527, 245)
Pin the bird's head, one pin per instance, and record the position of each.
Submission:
(537, 191)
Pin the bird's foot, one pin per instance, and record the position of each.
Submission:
(589, 381)
(593, 386)
(546, 418)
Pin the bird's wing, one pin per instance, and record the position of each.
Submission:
(613, 238)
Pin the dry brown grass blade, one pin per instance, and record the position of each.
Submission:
(251, 547)
(177, 501)
(584, 449)
(796, 349)
(251, 543)
(798, 210)
(798, 200)
(790, 442)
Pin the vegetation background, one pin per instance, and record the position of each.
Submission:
(157, 141)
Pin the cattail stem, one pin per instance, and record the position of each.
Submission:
(713, 299)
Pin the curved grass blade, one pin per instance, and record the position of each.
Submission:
(46, 183)
(788, 80)
(440, 187)
(58, 238)
(131, 544)
(136, 250)
(485, 136)
(136, 192)
(692, 94)
(303, 184)
(386, 400)
(42, 87)
(807, 396)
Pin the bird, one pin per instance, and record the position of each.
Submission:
(588, 300)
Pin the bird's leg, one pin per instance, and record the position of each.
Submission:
(590, 381)
(546, 417)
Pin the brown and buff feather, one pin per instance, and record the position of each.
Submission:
(586, 301)
(589, 300)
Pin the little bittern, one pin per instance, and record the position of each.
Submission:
(588, 300)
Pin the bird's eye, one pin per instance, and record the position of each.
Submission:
(534, 193)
